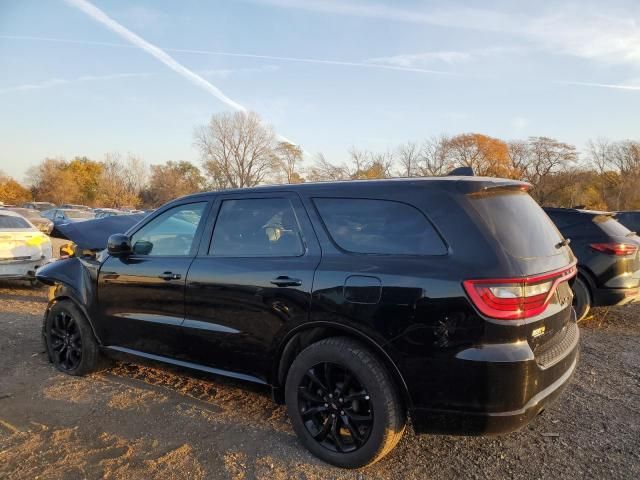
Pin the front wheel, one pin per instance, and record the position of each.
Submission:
(69, 339)
(343, 403)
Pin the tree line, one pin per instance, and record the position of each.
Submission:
(239, 150)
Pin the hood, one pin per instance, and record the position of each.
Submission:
(93, 234)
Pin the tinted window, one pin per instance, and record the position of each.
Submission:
(379, 227)
(78, 214)
(563, 220)
(256, 227)
(171, 233)
(13, 222)
(631, 220)
(514, 218)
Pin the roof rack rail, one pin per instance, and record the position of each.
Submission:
(461, 172)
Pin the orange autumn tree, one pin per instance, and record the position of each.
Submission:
(487, 156)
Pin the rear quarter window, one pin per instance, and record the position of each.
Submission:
(382, 227)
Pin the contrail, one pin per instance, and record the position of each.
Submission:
(603, 85)
(159, 54)
(319, 61)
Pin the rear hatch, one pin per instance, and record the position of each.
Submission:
(533, 300)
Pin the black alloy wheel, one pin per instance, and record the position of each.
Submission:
(69, 340)
(343, 403)
(336, 409)
(66, 341)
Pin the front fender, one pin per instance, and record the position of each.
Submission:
(72, 278)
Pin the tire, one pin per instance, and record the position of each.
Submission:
(581, 298)
(369, 417)
(66, 329)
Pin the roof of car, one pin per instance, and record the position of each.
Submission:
(9, 213)
(365, 184)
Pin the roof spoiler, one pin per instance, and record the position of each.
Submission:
(461, 172)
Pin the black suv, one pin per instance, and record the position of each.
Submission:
(608, 259)
(447, 299)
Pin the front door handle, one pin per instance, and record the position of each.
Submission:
(284, 281)
(170, 276)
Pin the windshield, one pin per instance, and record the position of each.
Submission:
(27, 212)
(13, 222)
(78, 214)
(520, 225)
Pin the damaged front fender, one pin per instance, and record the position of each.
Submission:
(72, 278)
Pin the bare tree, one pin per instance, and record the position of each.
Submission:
(289, 157)
(434, 160)
(409, 155)
(323, 170)
(547, 157)
(236, 150)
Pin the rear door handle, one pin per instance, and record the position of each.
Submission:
(284, 281)
(170, 276)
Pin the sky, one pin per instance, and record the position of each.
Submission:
(80, 78)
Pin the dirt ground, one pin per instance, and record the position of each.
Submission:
(147, 421)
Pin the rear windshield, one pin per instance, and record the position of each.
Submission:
(514, 218)
(13, 222)
(610, 226)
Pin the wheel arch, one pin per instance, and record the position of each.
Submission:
(303, 336)
(68, 297)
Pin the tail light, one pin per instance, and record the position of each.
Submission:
(613, 248)
(516, 298)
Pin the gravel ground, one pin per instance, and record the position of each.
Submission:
(147, 421)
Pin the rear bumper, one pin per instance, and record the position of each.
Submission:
(603, 297)
(524, 384)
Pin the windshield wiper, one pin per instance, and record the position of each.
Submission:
(630, 234)
(563, 243)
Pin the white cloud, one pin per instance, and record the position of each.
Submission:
(415, 60)
(573, 29)
(55, 82)
(228, 72)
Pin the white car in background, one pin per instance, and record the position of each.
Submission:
(23, 248)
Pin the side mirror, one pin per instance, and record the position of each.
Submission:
(119, 245)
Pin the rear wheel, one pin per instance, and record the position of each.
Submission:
(581, 298)
(343, 403)
(69, 340)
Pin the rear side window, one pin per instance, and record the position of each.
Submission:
(631, 220)
(13, 222)
(260, 227)
(514, 218)
(379, 227)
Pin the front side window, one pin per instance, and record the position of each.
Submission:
(379, 227)
(170, 234)
(261, 227)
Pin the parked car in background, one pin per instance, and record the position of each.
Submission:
(67, 215)
(23, 248)
(608, 257)
(41, 206)
(35, 217)
(446, 299)
(107, 212)
(75, 206)
(630, 219)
